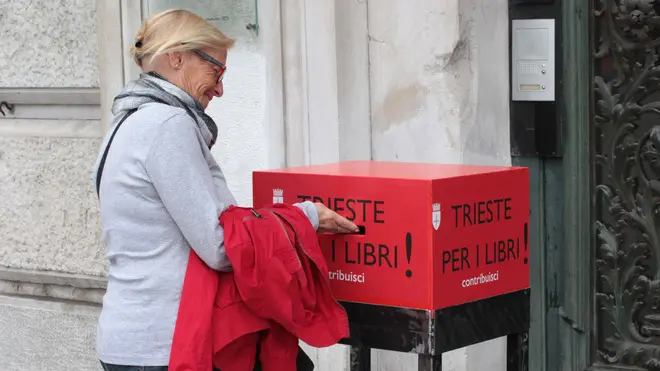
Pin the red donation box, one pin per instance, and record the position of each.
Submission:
(435, 236)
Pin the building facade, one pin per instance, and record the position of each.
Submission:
(308, 82)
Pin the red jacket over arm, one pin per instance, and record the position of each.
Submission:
(277, 293)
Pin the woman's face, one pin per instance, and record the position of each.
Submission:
(201, 74)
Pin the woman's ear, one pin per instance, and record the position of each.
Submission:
(175, 59)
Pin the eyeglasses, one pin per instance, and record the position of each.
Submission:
(213, 61)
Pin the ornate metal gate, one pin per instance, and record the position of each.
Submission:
(625, 166)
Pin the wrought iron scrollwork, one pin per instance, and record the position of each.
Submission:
(626, 139)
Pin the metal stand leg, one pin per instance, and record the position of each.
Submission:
(360, 358)
(517, 349)
(429, 363)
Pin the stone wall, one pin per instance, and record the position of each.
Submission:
(52, 258)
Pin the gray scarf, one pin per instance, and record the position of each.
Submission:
(150, 88)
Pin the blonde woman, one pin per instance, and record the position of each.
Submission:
(160, 189)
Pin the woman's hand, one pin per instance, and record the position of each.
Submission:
(330, 221)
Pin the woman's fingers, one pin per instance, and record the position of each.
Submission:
(344, 225)
(345, 230)
(332, 222)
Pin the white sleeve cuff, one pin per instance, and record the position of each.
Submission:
(310, 210)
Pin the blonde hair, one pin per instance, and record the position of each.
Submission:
(176, 30)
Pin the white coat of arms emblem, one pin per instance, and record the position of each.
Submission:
(435, 215)
(278, 196)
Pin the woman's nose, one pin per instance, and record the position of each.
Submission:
(219, 90)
